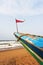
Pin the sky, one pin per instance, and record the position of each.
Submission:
(29, 10)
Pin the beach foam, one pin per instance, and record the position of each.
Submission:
(6, 45)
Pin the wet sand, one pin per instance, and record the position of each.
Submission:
(17, 57)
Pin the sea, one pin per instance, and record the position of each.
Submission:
(9, 44)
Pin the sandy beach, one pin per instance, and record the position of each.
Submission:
(17, 57)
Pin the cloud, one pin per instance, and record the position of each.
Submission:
(21, 7)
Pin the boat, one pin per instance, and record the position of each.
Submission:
(33, 43)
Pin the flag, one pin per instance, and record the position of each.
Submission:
(17, 21)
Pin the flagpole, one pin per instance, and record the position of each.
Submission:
(16, 26)
(17, 21)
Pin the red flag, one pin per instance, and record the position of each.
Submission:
(17, 21)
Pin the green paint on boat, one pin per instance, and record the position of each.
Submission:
(38, 60)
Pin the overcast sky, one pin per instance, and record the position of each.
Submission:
(29, 10)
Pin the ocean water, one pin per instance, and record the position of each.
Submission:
(11, 44)
(6, 41)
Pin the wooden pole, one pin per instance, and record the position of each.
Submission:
(16, 26)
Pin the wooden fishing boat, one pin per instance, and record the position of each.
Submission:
(33, 43)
